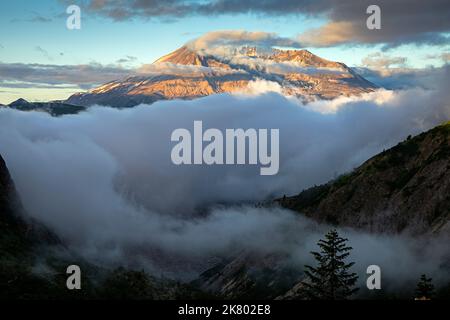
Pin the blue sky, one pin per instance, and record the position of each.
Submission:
(102, 40)
(34, 32)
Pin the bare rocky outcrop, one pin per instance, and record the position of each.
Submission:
(54, 108)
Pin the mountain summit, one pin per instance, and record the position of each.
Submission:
(188, 74)
(403, 189)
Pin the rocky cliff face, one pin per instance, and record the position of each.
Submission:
(185, 74)
(406, 188)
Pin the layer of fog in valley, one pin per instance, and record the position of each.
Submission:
(103, 180)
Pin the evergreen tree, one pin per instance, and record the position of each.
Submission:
(425, 288)
(331, 279)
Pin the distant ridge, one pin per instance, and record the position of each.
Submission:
(55, 108)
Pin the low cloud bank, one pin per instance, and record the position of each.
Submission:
(104, 180)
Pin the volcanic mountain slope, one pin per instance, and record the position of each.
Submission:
(406, 188)
(33, 263)
(187, 74)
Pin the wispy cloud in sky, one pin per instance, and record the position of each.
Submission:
(127, 59)
(379, 60)
(387, 70)
(143, 200)
(33, 17)
(37, 17)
